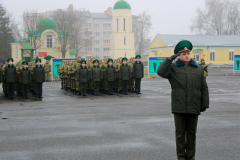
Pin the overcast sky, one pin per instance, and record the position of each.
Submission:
(168, 16)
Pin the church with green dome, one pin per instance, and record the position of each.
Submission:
(47, 42)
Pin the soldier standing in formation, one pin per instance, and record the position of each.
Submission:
(189, 97)
(10, 77)
(39, 77)
(47, 69)
(25, 79)
(124, 75)
(96, 76)
(138, 73)
(83, 76)
(110, 76)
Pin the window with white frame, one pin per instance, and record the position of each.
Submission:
(96, 33)
(88, 25)
(106, 57)
(125, 54)
(117, 24)
(96, 41)
(106, 41)
(96, 49)
(125, 40)
(124, 24)
(107, 25)
(96, 25)
(106, 49)
(16, 51)
(231, 55)
(107, 33)
(129, 24)
(49, 41)
(88, 57)
(212, 56)
(88, 49)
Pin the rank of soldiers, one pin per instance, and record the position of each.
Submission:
(23, 78)
(107, 76)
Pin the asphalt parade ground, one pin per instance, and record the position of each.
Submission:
(63, 126)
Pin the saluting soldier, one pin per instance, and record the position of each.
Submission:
(138, 73)
(96, 76)
(110, 76)
(189, 97)
(10, 77)
(202, 63)
(25, 79)
(39, 77)
(83, 76)
(124, 75)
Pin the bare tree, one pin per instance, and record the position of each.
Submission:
(220, 17)
(141, 27)
(30, 30)
(6, 33)
(70, 25)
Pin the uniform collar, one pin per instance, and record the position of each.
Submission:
(180, 63)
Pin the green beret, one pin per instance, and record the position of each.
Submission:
(83, 62)
(10, 59)
(110, 60)
(96, 60)
(138, 56)
(124, 58)
(24, 62)
(38, 59)
(183, 46)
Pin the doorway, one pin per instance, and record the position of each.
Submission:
(197, 56)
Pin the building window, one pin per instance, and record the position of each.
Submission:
(107, 25)
(88, 49)
(125, 40)
(96, 49)
(125, 54)
(231, 55)
(96, 41)
(116, 24)
(88, 57)
(124, 24)
(106, 57)
(96, 25)
(88, 41)
(107, 33)
(16, 51)
(49, 40)
(106, 41)
(96, 33)
(87, 33)
(129, 24)
(106, 49)
(212, 56)
(88, 25)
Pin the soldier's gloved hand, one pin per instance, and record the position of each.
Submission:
(203, 109)
(174, 56)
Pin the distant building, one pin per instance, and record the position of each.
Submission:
(46, 38)
(215, 49)
(122, 38)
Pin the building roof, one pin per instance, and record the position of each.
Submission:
(46, 23)
(101, 16)
(202, 40)
(27, 46)
(122, 4)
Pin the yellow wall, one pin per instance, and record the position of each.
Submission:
(221, 54)
(118, 48)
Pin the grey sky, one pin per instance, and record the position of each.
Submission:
(168, 16)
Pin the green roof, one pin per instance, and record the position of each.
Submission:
(72, 52)
(122, 4)
(26, 40)
(46, 23)
(27, 46)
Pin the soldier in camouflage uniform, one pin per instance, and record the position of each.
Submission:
(47, 69)
(202, 63)
(60, 70)
(72, 79)
(103, 81)
(69, 72)
(18, 84)
(76, 65)
(66, 76)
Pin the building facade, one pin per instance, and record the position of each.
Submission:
(215, 49)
